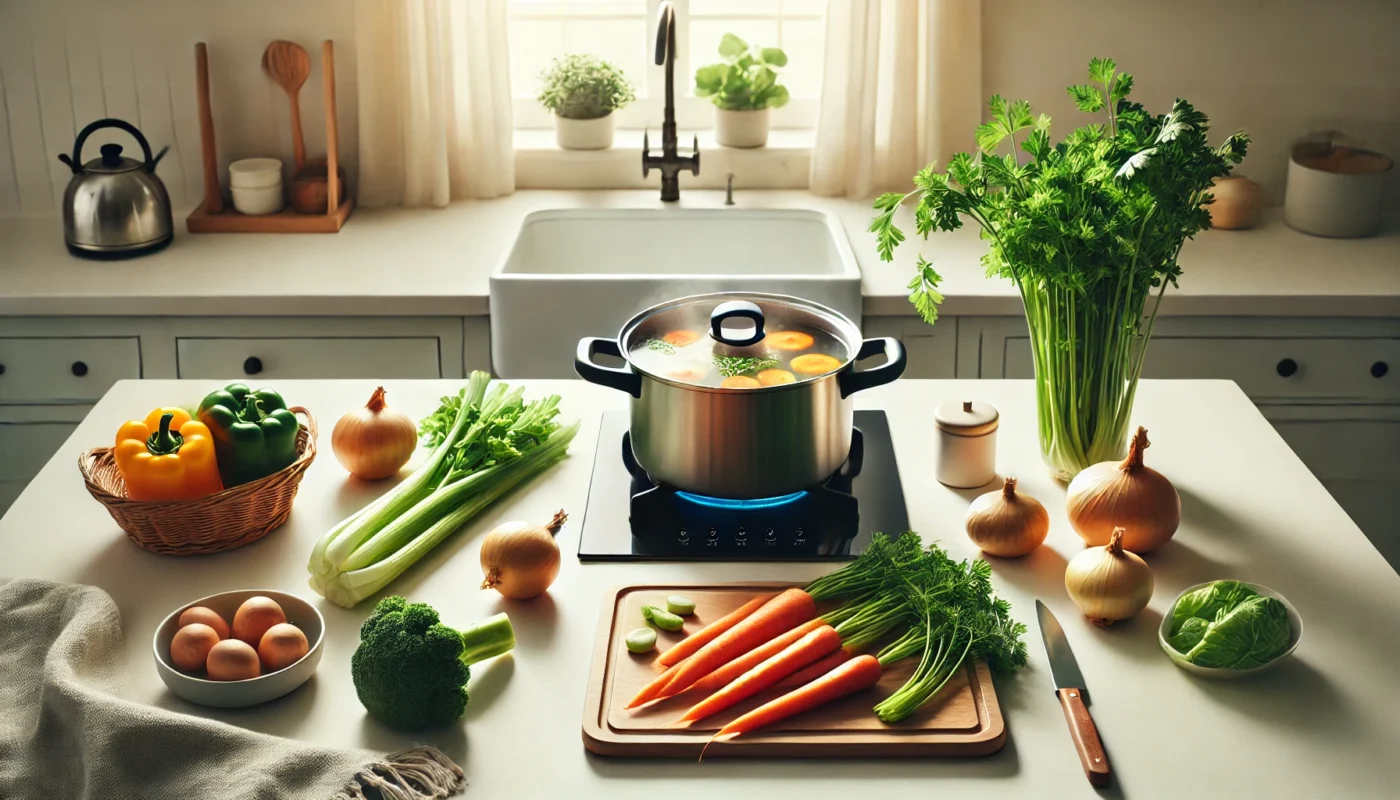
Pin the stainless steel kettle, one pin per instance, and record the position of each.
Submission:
(114, 206)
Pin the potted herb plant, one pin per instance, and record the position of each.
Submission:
(743, 87)
(583, 91)
(1089, 230)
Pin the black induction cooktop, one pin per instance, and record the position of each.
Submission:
(629, 518)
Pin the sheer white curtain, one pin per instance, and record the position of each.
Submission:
(434, 98)
(902, 87)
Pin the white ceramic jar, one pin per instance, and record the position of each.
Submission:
(967, 443)
(1335, 191)
(256, 186)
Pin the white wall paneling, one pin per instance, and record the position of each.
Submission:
(65, 63)
(1279, 69)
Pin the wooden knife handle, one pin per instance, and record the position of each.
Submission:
(1085, 735)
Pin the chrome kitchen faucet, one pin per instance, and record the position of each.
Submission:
(669, 162)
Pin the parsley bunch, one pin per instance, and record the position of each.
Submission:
(1088, 229)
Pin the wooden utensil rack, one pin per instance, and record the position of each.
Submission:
(212, 217)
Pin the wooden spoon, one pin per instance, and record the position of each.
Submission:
(288, 64)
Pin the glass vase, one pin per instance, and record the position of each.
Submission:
(1087, 363)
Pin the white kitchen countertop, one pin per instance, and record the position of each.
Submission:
(438, 261)
(1320, 724)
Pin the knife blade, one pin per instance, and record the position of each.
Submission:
(1069, 687)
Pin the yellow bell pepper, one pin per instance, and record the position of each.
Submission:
(167, 457)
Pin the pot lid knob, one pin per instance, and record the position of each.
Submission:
(111, 155)
(727, 323)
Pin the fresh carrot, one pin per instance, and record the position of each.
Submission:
(726, 674)
(778, 616)
(805, 676)
(859, 673)
(687, 646)
(651, 690)
(795, 656)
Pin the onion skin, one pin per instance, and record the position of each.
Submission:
(1006, 524)
(374, 442)
(1109, 583)
(520, 559)
(1137, 498)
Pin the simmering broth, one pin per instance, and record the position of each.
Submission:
(785, 355)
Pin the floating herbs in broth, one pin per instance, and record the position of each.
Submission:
(701, 361)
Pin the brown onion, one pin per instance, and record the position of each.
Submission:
(1004, 523)
(1137, 498)
(520, 559)
(374, 442)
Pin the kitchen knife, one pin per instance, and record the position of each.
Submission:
(1069, 687)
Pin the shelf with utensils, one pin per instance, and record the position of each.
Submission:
(213, 217)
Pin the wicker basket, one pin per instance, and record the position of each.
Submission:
(210, 524)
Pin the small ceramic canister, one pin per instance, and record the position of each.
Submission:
(967, 444)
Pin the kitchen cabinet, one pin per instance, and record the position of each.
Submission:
(65, 369)
(1330, 387)
(53, 368)
(29, 436)
(932, 351)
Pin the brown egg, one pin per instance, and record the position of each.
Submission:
(232, 660)
(190, 647)
(281, 646)
(254, 617)
(206, 616)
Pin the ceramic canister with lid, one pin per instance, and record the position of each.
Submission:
(967, 443)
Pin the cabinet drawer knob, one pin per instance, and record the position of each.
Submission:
(79, 369)
(2, 369)
(252, 365)
(1378, 369)
(1286, 367)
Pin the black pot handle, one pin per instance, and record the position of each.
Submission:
(621, 378)
(75, 163)
(888, 372)
(736, 309)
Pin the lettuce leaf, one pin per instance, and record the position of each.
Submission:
(1250, 635)
(1192, 631)
(1210, 603)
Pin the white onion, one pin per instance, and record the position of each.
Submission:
(1109, 583)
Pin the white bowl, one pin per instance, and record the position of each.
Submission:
(258, 202)
(255, 173)
(250, 692)
(1295, 625)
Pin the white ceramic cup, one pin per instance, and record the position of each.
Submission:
(258, 202)
(255, 173)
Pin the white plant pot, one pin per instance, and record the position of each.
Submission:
(741, 128)
(584, 134)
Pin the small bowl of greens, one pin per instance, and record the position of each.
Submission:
(1228, 629)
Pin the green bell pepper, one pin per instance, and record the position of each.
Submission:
(254, 433)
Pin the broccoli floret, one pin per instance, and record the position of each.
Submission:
(411, 671)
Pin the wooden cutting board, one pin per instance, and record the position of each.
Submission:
(963, 720)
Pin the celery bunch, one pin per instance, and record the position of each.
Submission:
(488, 440)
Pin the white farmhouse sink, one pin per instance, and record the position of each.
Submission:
(584, 272)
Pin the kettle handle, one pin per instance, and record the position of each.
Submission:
(75, 163)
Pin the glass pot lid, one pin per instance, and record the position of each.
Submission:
(739, 340)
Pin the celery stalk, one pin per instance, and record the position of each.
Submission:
(350, 587)
(495, 442)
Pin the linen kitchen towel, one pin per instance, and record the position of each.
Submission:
(65, 732)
